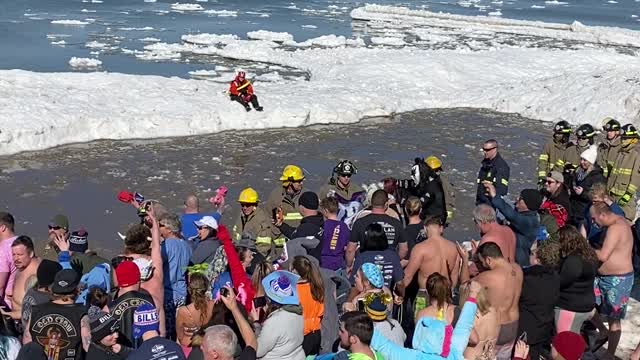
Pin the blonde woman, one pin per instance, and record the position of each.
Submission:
(485, 331)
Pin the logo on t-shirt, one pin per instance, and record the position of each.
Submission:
(390, 231)
(56, 331)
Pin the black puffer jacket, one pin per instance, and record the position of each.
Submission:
(580, 202)
(540, 291)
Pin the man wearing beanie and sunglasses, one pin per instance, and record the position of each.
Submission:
(146, 330)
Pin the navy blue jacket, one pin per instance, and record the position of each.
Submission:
(524, 224)
(495, 170)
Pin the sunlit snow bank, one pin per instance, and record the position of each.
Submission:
(41, 110)
(575, 31)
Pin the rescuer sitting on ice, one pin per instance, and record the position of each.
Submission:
(241, 91)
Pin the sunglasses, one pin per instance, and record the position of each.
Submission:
(346, 175)
(54, 227)
(487, 150)
(245, 205)
(550, 182)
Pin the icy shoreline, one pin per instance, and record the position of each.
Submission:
(42, 110)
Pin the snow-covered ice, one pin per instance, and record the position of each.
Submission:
(146, 28)
(203, 73)
(578, 86)
(186, 7)
(495, 13)
(576, 31)
(84, 62)
(309, 27)
(270, 36)
(70, 22)
(209, 39)
(222, 13)
(150, 39)
(387, 40)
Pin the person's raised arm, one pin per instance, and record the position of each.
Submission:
(245, 328)
(462, 331)
(238, 275)
(64, 256)
(156, 281)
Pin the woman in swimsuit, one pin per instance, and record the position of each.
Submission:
(192, 317)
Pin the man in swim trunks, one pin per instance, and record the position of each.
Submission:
(503, 282)
(614, 281)
(436, 254)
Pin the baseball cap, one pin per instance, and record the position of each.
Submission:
(65, 282)
(209, 221)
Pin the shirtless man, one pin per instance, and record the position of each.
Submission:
(503, 282)
(484, 216)
(27, 265)
(436, 254)
(137, 247)
(615, 276)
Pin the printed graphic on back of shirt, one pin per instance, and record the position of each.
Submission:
(54, 332)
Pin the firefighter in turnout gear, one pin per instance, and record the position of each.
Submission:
(350, 196)
(624, 178)
(553, 154)
(585, 137)
(285, 198)
(253, 221)
(609, 148)
(449, 193)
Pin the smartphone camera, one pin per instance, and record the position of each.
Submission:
(224, 292)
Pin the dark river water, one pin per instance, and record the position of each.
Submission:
(82, 180)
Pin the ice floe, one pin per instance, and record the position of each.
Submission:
(186, 7)
(84, 62)
(70, 22)
(270, 36)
